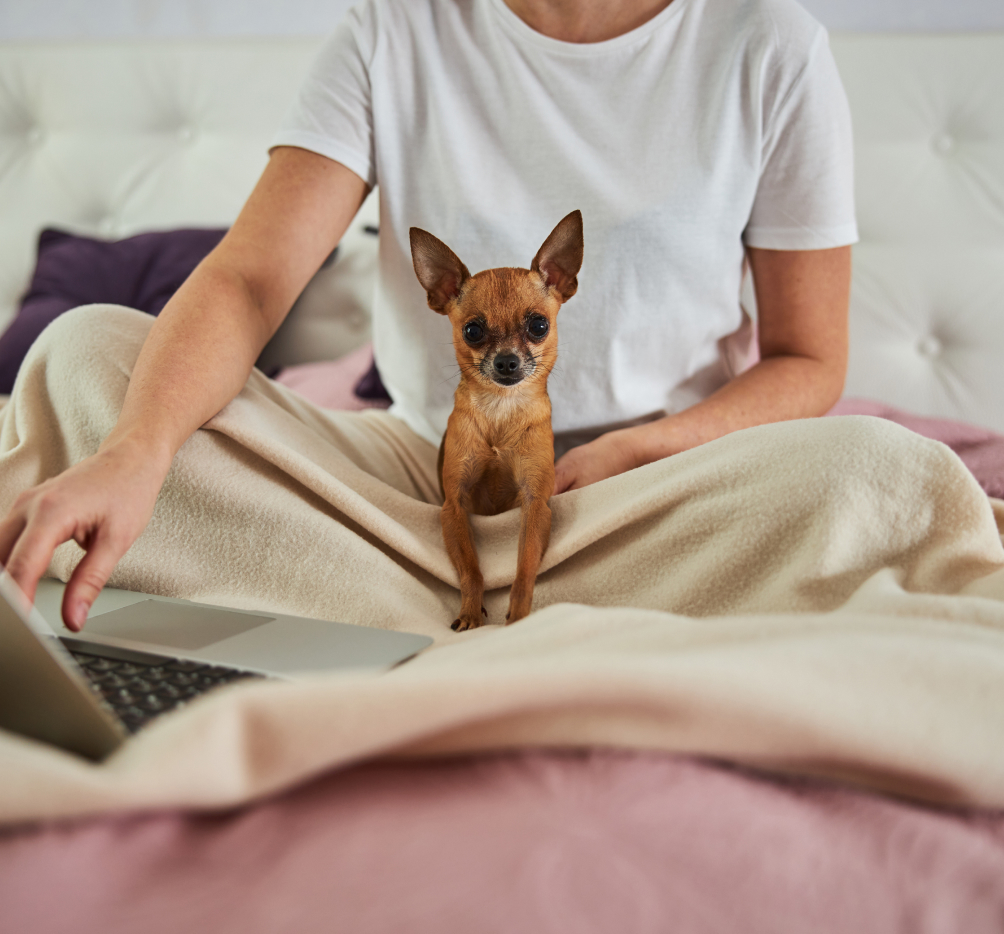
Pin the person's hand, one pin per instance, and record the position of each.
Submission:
(609, 455)
(103, 504)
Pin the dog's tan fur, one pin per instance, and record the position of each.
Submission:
(498, 450)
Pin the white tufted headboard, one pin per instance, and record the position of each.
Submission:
(114, 138)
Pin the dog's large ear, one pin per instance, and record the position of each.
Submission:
(558, 261)
(438, 269)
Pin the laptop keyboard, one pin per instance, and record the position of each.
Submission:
(139, 687)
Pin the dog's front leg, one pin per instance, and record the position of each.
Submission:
(460, 548)
(534, 534)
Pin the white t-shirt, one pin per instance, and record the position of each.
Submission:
(716, 123)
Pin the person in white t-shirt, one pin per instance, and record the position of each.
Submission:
(697, 137)
(713, 128)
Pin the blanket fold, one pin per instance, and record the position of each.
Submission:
(824, 597)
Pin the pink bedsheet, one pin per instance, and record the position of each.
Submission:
(542, 842)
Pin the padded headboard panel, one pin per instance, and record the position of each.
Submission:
(115, 138)
(120, 137)
(927, 309)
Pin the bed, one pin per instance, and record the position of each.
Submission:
(111, 140)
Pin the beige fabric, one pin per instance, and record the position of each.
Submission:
(823, 596)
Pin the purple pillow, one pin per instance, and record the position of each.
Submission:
(140, 272)
(370, 387)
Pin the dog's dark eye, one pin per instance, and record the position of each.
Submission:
(474, 333)
(537, 327)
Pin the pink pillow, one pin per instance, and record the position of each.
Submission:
(331, 384)
(980, 449)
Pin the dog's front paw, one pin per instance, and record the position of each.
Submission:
(516, 613)
(468, 621)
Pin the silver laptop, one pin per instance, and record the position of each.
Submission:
(140, 656)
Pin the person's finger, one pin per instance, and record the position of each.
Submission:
(564, 480)
(561, 478)
(89, 577)
(33, 551)
(10, 531)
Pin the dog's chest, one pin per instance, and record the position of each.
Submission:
(496, 489)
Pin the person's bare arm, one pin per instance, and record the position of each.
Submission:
(802, 302)
(196, 358)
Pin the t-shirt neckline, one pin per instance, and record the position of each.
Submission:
(527, 33)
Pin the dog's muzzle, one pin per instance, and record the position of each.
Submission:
(507, 369)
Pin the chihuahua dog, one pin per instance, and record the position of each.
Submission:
(498, 450)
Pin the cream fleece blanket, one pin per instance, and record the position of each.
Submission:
(824, 597)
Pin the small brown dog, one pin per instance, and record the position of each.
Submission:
(498, 450)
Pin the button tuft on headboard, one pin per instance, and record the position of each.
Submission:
(929, 347)
(944, 143)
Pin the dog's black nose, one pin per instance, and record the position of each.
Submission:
(506, 364)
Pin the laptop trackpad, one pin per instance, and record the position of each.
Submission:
(173, 624)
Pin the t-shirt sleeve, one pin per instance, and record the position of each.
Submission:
(332, 113)
(805, 195)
